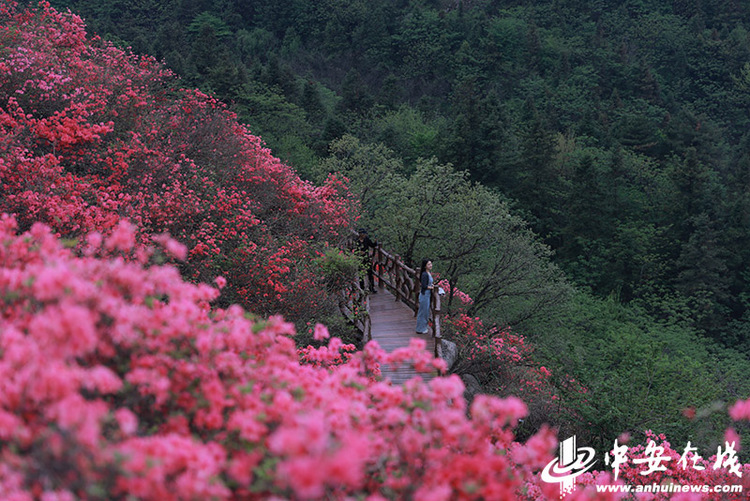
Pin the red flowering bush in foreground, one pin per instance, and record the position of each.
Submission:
(91, 134)
(117, 379)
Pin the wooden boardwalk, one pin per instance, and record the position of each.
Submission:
(393, 325)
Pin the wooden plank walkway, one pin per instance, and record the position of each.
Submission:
(393, 325)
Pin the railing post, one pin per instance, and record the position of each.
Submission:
(367, 322)
(398, 271)
(355, 303)
(436, 311)
(417, 290)
(377, 264)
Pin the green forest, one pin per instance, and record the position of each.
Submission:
(604, 146)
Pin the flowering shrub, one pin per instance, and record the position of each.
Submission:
(117, 379)
(503, 363)
(92, 134)
(454, 292)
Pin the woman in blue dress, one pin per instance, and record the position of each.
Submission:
(425, 293)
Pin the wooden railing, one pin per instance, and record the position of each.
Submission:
(355, 305)
(403, 282)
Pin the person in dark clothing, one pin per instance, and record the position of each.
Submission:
(364, 244)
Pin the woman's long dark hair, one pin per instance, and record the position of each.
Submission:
(423, 268)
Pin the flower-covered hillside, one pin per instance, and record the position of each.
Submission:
(91, 134)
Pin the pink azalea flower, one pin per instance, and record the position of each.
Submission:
(304, 476)
(321, 332)
(127, 421)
